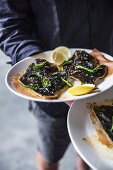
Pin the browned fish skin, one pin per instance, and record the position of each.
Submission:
(44, 77)
(84, 59)
(105, 116)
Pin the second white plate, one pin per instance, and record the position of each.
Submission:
(80, 126)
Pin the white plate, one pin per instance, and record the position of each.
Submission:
(80, 126)
(23, 64)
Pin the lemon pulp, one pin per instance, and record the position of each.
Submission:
(81, 89)
(58, 58)
(64, 50)
(60, 54)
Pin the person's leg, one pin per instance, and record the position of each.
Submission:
(81, 165)
(53, 138)
(43, 164)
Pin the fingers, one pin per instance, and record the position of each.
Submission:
(69, 103)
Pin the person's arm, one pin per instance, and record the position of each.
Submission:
(16, 36)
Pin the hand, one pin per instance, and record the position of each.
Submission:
(69, 103)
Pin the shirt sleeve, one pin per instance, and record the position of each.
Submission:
(16, 30)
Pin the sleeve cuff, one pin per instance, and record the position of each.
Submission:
(26, 52)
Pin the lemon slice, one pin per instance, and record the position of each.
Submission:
(58, 58)
(81, 89)
(60, 54)
(64, 50)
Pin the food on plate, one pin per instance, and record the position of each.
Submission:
(81, 89)
(44, 79)
(101, 114)
(85, 67)
(50, 80)
(103, 151)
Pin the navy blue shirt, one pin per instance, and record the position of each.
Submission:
(28, 27)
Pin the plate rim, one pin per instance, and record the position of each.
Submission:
(75, 146)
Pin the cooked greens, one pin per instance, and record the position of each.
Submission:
(46, 78)
(88, 69)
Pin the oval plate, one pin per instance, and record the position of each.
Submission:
(23, 64)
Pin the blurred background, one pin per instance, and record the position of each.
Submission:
(18, 133)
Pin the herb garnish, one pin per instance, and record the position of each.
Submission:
(89, 70)
(67, 82)
(33, 87)
(66, 62)
(46, 82)
(35, 74)
(55, 73)
(112, 124)
(40, 65)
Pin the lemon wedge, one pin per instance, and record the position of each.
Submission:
(58, 58)
(64, 50)
(81, 89)
(60, 54)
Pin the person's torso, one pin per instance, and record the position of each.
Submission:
(74, 23)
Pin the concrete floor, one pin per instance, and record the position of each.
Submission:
(18, 135)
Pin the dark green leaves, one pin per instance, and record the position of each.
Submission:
(66, 62)
(97, 68)
(66, 82)
(35, 74)
(55, 73)
(112, 124)
(89, 70)
(40, 65)
(33, 87)
(46, 82)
